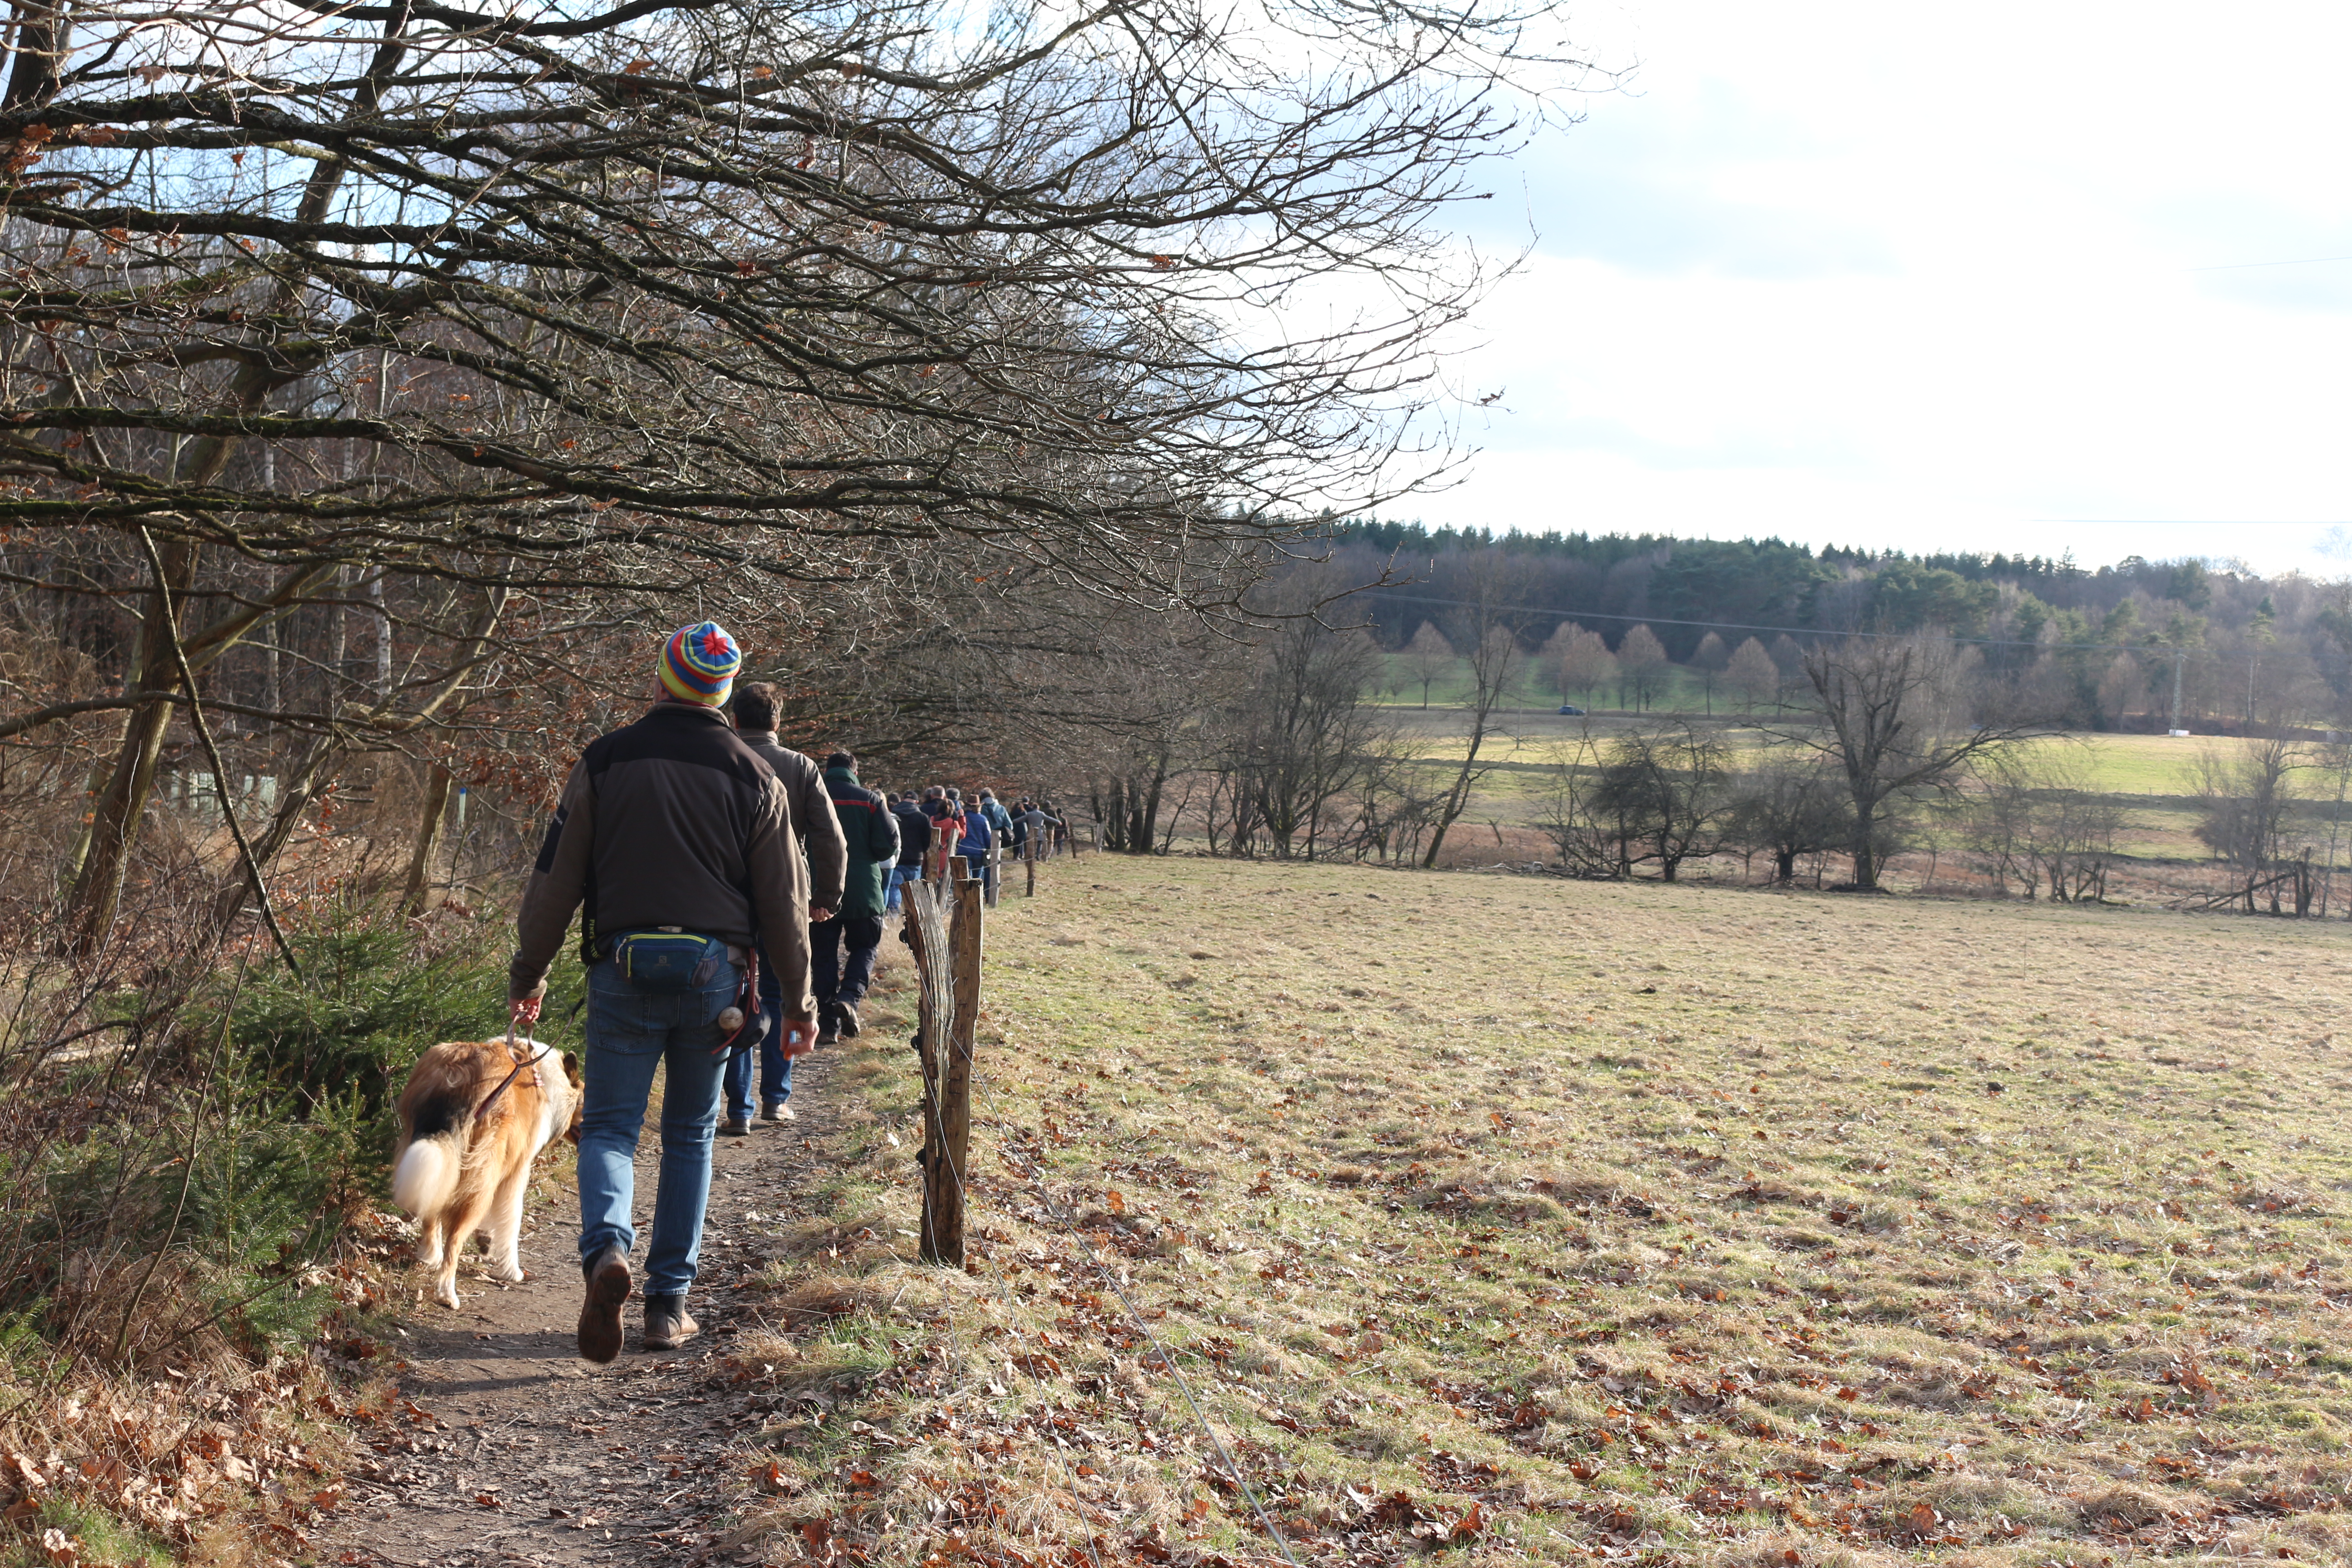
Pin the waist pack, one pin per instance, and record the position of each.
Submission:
(663, 960)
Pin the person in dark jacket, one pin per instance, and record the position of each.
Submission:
(873, 837)
(678, 837)
(978, 834)
(914, 837)
(1000, 828)
(754, 707)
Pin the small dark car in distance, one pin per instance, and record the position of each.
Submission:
(1571, 711)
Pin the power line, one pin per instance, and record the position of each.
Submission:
(2244, 266)
(2205, 523)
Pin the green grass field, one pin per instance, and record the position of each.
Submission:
(1520, 1221)
(2119, 764)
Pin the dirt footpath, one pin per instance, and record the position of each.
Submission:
(513, 1449)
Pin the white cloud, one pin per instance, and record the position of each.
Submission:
(1886, 275)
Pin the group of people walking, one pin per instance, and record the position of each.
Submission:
(715, 868)
(939, 821)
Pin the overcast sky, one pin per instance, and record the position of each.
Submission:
(1932, 278)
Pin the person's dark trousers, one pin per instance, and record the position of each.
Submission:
(775, 1068)
(829, 976)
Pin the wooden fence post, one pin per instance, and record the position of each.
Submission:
(945, 1227)
(944, 924)
(1029, 857)
(927, 935)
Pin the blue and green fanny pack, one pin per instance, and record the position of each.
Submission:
(669, 959)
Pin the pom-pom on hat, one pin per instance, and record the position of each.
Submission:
(698, 664)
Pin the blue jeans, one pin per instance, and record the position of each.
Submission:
(899, 876)
(775, 1069)
(630, 1032)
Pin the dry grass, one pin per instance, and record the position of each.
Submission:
(1534, 1220)
(198, 1450)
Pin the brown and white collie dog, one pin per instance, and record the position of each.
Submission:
(460, 1170)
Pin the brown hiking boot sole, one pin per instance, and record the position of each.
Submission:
(600, 1311)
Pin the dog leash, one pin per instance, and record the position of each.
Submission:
(524, 1013)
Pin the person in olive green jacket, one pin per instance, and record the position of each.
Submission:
(872, 836)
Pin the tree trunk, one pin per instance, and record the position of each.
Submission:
(298, 786)
(428, 841)
(1146, 839)
(1865, 851)
(114, 820)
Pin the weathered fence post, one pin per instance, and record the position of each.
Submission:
(943, 925)
(1029, 858)
(963, 1038)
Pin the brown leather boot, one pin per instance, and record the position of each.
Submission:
(600, 1310)
(666, 1324)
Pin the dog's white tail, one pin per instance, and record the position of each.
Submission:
(426, 1174)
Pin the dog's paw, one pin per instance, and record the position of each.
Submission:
(510, 1273)
(430, 1259)
(447, 1296)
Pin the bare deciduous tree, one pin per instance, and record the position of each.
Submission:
(1753, 675)
(1710, 660)
(1428, 657)
(2246, 795)
(2038, 822)
(1488, 627)
(1899, 716)
(1642, 666)
(1668, 787)
(1586, 665)
(1789, 805)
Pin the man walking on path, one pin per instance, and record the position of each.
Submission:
(1031, 824)
(1000, 828)
(973, 845)
(873, 836)
(754, 707)
(679, 839)
(914, 837)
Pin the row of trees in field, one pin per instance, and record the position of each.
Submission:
(2105, 688)
(2106, 645)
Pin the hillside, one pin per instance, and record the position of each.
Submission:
(1561, 1221)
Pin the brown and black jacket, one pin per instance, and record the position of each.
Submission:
(814, 820)
(671, 821)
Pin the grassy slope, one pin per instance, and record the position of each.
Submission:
(1669, 1224)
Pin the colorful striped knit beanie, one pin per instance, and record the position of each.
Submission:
(698, 664)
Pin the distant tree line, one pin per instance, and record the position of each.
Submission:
(2102, 646)
(1280, 746)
